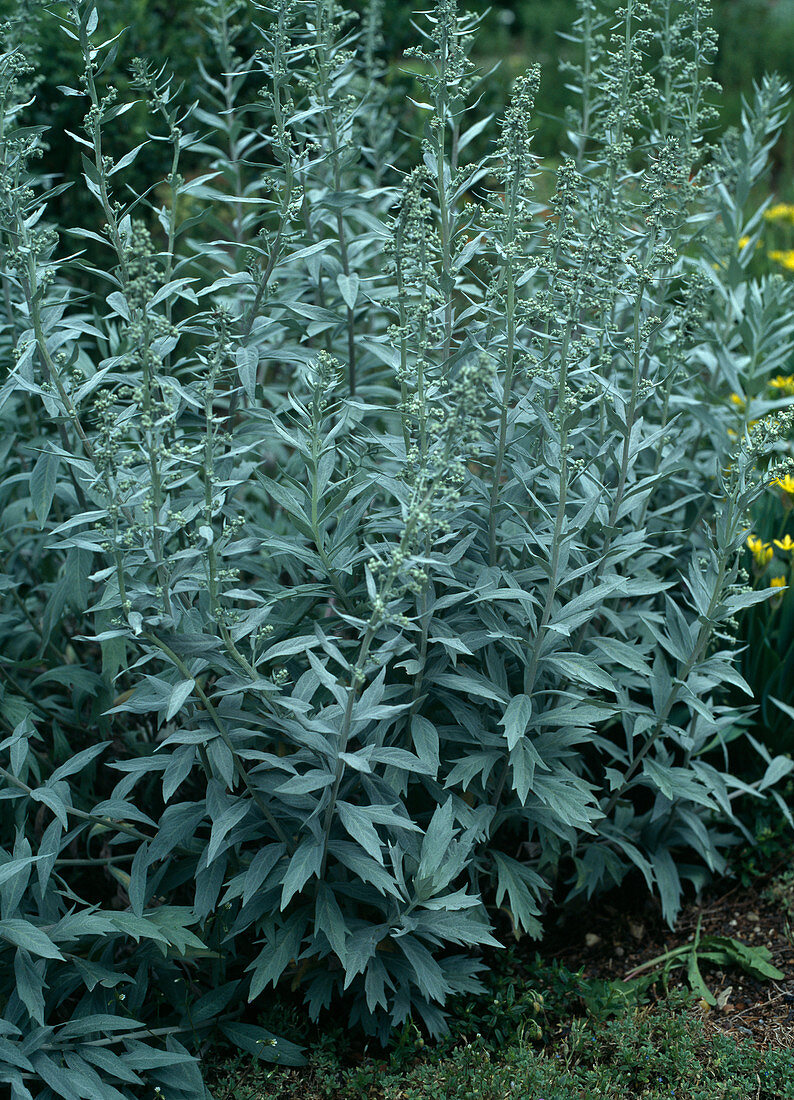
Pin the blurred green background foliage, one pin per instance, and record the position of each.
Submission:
(755, 36)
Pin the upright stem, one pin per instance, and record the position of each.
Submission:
(507, 386)
(333, 135)
(358, 673)
(442, 110)
(153, 449)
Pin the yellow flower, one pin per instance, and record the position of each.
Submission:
(737, 400)
(778, 582)
(786, 543)
(743, 242)
(780, 212)
(786, 484)
(762, 552)
(785, 259)
(784, 383)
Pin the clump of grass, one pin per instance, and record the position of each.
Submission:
(656, 1051)
(653, 1052)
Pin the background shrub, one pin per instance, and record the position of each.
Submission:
(755, 37)
(372, 531)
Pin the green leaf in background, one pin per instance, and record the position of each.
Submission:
(43, 479)
(348, 288)
(21, 933)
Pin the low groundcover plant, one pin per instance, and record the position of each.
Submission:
(371, 531)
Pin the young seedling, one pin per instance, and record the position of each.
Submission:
(716, 951)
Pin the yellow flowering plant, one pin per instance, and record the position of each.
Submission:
(759, 398)
(766, 630)
(783, 384)
(762, 552)
(779, 236)
(786, 484)
(782, 213)
(782, 256)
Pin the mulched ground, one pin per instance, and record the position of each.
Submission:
(608, 940)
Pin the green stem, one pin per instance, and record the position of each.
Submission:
(333, 135)
(496, 477)
(357, 675)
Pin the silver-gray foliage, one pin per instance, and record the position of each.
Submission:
(369, 525)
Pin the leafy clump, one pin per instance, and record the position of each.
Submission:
(371, 530)
(724, 951)
(780, 893)
(655, 1051)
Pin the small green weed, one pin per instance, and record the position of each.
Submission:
(716, 951)
(781, 893)
(770, 838)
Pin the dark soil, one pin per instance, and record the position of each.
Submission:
(610, 938)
